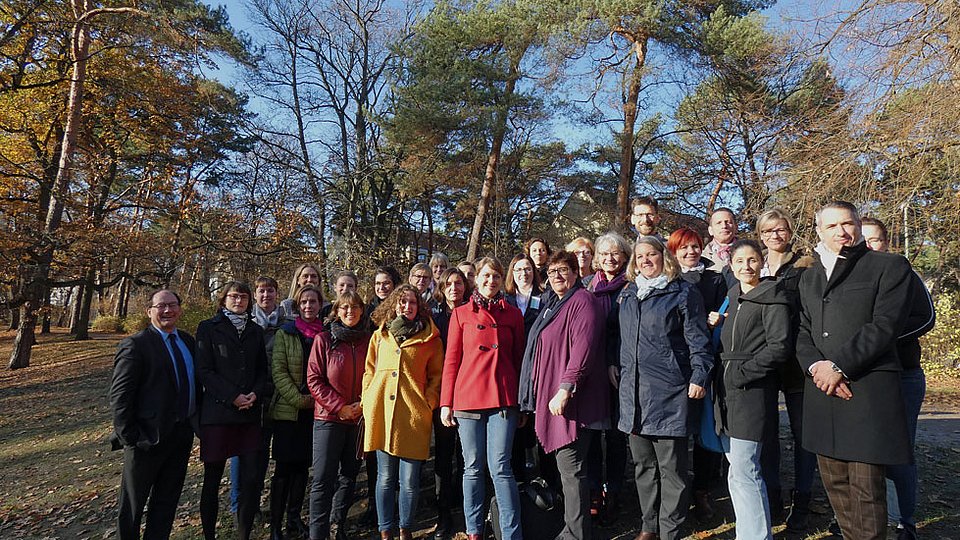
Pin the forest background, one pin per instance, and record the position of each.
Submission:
(148, 143)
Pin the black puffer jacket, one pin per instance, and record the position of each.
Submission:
(756, 342)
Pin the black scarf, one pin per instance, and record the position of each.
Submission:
(402, 328)
(528, 393)
(349, 334)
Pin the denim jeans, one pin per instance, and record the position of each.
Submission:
(748, 492)
(489, 439)
(335, 469)
(902, 479)
(396, 476)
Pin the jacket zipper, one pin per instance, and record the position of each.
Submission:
(733, 337)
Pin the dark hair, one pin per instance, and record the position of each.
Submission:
(266, 281)
(534, 240)
(306, 288)
(646, 200)
(348, 297)
(878, 224)
(746, 243)
(722, 209)
(839, 205)
(681, 237)
(239, 287)
(441, 284)
(564, 257)
(387, 310)
(158, 291)
(510, 285)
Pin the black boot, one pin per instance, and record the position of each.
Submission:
(298, 491)
(279, 491)
(775, 499)
(444, 528)
(799, 517)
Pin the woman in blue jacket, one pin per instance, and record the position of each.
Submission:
(665, 361)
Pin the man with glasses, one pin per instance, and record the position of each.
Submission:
(154, 400)
(645, 217)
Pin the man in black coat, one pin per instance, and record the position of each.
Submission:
(853, 306)
(154, 399)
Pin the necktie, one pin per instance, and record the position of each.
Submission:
(183, 380)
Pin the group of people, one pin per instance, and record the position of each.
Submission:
(560, 362)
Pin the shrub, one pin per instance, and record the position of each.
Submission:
(941, 345)
(106, 324)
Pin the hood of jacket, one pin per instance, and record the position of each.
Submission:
(767, 292)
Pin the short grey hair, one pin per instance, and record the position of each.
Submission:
(615, 239)
(838, 205)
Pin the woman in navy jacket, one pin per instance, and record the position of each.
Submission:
(665, 362)
(231, 365)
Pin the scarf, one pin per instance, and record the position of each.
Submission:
(698, 268)
(349, 334)
(551, 306)
(601, 285)
(239, 320)
(309, 330)
(721, 251)
(483, 301)
(403, 329)
(646, 286)
(268, 320)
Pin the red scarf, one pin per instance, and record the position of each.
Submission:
(309, 329)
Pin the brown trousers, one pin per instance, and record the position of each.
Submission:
(858, 495)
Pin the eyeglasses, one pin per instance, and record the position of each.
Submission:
(238, 297)
(164, 305)
(561, 271)
(603, 254)
(347, 307)
(422, 276)
(583, 252)
(778, 231)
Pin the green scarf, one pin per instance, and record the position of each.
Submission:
(402, 329)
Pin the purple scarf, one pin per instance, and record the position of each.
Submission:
(601, 285)
(309, 329)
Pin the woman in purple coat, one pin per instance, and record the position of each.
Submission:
(563, 381)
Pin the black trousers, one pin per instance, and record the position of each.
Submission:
(447, 465)
(572, 464)
(335, 469)
(153, 479)
(249, 499)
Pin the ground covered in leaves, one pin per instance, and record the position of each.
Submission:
(58, 477)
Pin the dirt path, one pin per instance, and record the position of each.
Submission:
(58, 479)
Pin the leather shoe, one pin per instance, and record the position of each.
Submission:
(646, 536)
(444, 528)
(405, 534)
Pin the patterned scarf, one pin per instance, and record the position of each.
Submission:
(403, 328)
(349, 334)
(646, 286)
(239, 320)
(698, 268)
(483, 301)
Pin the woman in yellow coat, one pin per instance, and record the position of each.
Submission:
(401, 388)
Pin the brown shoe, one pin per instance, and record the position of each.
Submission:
(474, 537)
(646, 536)
(405, 534)
(386, 535)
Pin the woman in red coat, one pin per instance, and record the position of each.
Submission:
(481, 372)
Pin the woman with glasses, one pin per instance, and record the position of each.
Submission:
(607, 460)
(665, 363)
(479, 397)
(293, 414)
(563, 381)
(775, 229)
(421, 277)
(231, 363)
(583, 249)
(523, 288)
(335, 377)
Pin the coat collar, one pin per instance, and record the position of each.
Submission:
(849, 255)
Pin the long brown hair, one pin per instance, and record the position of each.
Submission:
(387, 310)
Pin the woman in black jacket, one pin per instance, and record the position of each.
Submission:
(756, 343)
(232, 367)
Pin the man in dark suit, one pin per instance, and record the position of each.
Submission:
(154, 399)
(853, 306)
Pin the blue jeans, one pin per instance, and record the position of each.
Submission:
(902, 479)
(748, 492)
(234, 483)
(490, 439)
(396, 475)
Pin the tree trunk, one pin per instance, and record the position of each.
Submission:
(77, 306)
(45, 320)
(86, 301)
(123, 291)
(627, 158)
(14, 318)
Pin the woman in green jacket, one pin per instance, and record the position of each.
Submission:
(293, 414)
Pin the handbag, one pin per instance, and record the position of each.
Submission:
(707, 435)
